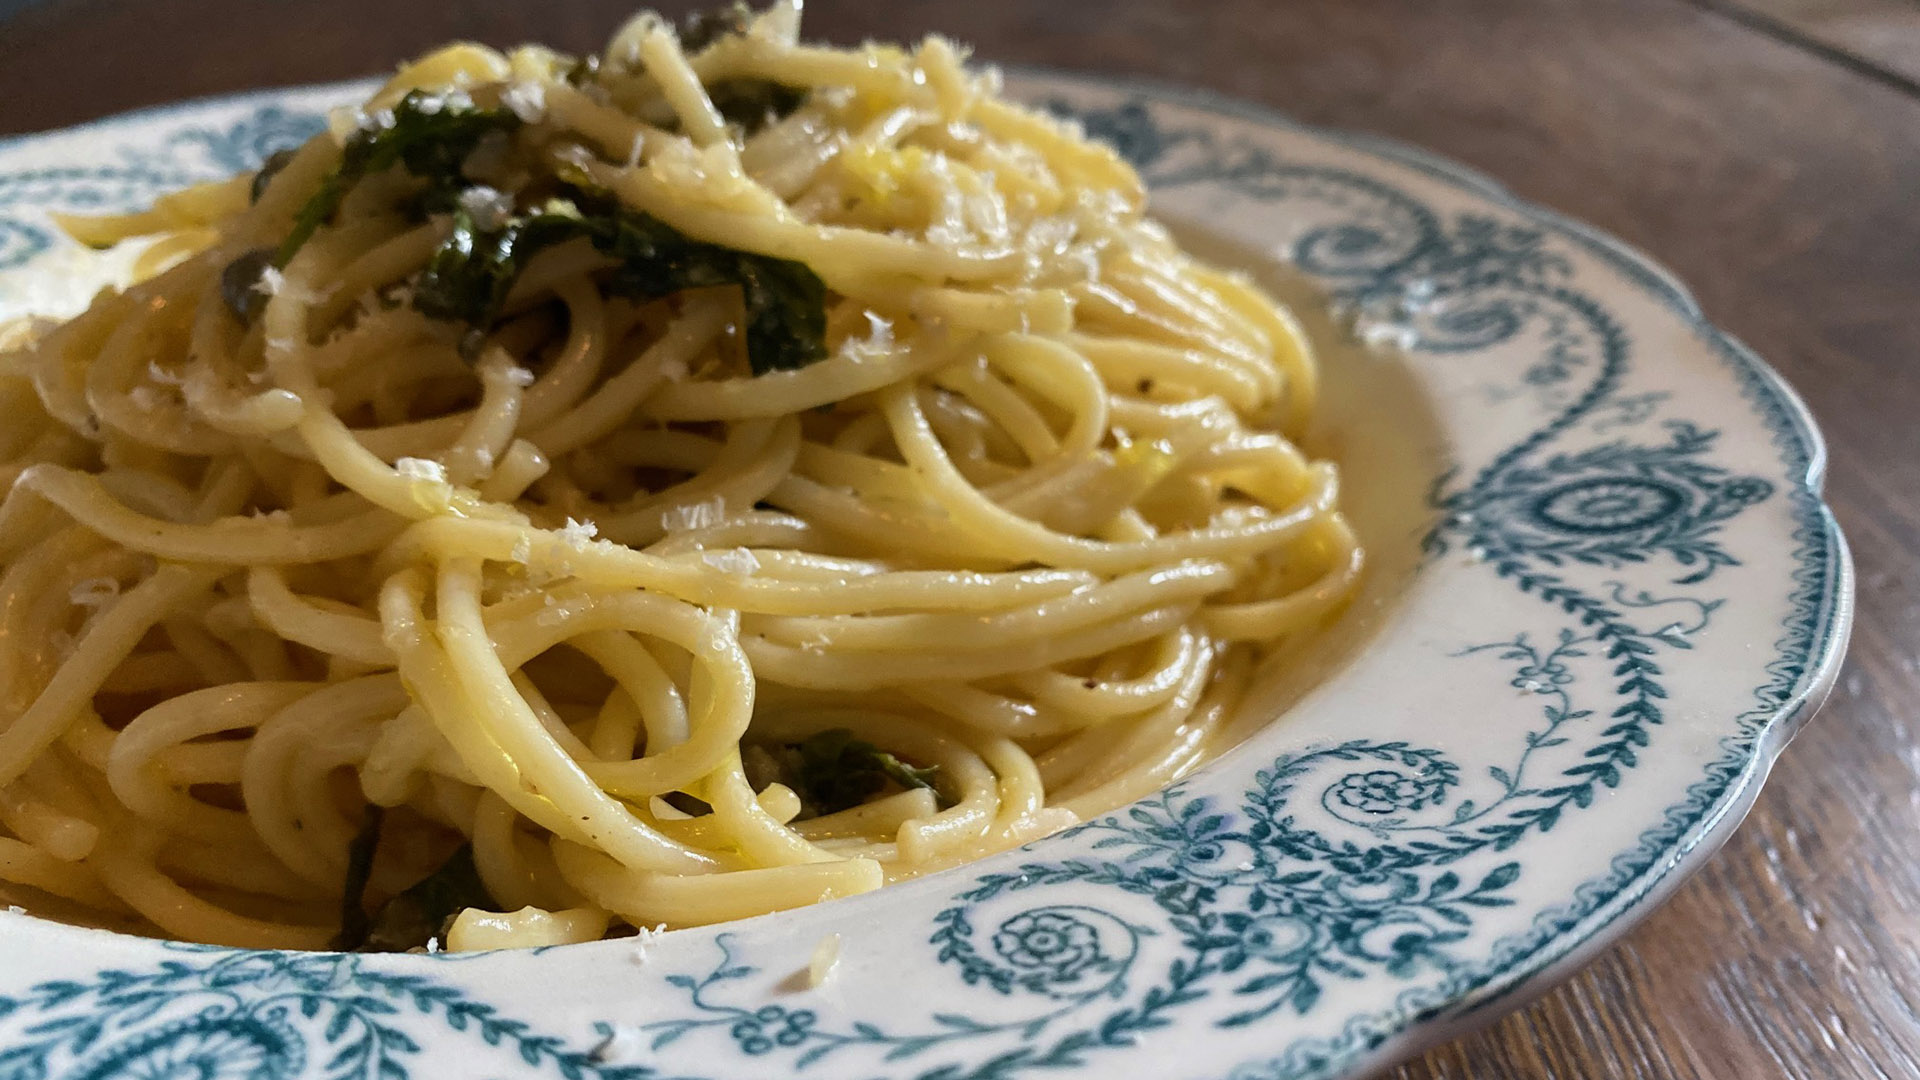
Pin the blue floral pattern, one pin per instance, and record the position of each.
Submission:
(188, 155)
(1049, 942)
(1382, 791)
(1362, 862)
(218, 1014)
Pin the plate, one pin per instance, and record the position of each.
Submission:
(1605, 593)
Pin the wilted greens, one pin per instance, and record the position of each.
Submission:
(469, 277)
(429, 135)
(415, 917)
(833, 771)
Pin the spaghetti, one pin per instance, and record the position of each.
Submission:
(714, 477)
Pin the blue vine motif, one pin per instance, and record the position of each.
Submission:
(188, 155)
(1608, 505)
(1258, 909)
(257, 1016)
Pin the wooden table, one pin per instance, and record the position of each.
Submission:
(1767, 150)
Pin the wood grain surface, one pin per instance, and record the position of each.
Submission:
(1778, 178)
(1875, 37)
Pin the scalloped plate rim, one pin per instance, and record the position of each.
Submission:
(1554, 953)
(1563, 954)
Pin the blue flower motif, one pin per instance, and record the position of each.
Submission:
(1217, 857)
(1282, 939)
(1612, 505)
(206, 1047)
(305, 972)
(1383, 791)
(1374, 888)
(1397, 940)
(769, 1026)
(1608, 504)
(1745, 490)
(1130, 129)
(1059, 946)
(248, 142)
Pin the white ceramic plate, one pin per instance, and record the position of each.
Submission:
(1605, 593)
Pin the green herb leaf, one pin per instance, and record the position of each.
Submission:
(754, 103)
(832, 771)
(269, 169)
(583, 72)
(353, 895)
(699, 29)
(469, 277)
(414, 917)
(431, 140)
(411, 918)
(750, 103)
(240, 281)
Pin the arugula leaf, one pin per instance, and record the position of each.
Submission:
(269, 169)
(240, 281)
(429, 135)
(754, 103)
(353, 895)
(469, 277)
(832, 771)
(750, 103)
(411, 918)
(423, 912)
(584, 71)
(699, 29)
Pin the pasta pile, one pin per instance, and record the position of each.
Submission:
(715, 477)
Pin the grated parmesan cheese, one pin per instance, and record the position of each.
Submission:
(739, 561)
(377, 120)
(274, 283)
(488, 207)
(878, 342)
(644, 940)
(433, 103)
(522, 549)
(578, 534)
(552, 612)
(698, 515)
(528, 100)
(414, 468)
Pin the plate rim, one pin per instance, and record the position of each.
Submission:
(1560, 953)
(1503, 981)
